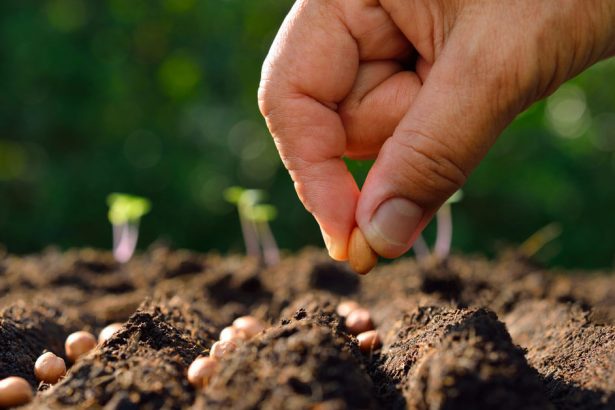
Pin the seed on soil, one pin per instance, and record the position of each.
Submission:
(368, 341)
(250, 325)
(221, 349)
(347, 306)
(109, 331)
(201, 371)
(361, 256)
(231, 333)
(359, 321)
(14, 391)
(49, 368)
(79, 343)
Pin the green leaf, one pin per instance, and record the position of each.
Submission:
(456, 197)
(233, 194)
(262, 213)
(124, 208)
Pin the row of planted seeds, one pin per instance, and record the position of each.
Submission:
(356, 319)
(49, 368)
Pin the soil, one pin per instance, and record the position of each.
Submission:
(465, 334)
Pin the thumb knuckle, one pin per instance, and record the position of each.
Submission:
(430, 168)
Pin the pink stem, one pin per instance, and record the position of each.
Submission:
(421, 250)
(445, 232)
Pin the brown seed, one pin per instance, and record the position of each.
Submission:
(79, 343)
(109, 331)
(14, 391)
(201, 371)
(359, 321)
(361, 256)
(49, 368)
(250, 325)
(347, 306)
(231, 333)
(221, 349)
(368, 341)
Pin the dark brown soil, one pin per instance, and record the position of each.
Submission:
(468, 334)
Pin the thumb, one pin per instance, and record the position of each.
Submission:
(450, 126)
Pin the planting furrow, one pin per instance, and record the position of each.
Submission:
(305, 362)
(444, 358)
(575, 356)
(25, 333)
(142, 365)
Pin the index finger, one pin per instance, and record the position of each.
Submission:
(311, 66)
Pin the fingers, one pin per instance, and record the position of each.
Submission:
(311, 67)
(380, 97)
(450, 126)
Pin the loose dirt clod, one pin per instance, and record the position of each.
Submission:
(359, 321)
(79, 343)
(369, 341)
(49, 368)
(201, 371)
(250, 325)
(14, 391)
(361, 256)
(108, 331)
(347, 306)
(221, 349)
(231, 333)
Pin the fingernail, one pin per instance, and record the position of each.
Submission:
(391, 228)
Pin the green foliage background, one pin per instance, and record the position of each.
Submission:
(158, 98)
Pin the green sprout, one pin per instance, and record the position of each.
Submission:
(254, 217)
(444, 235)
(125, 213)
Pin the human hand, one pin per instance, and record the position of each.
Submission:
(426, 86)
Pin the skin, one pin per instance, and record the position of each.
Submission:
(423, 86)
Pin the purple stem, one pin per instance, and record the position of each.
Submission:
(421, 250)
(125, 237)
(271, 252)
(250, 236)
(445, 232)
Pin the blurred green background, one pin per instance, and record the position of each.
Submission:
(158, 98)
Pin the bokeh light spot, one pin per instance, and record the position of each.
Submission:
(66, 15)
(603, 136)
(567, 113)
(12, 160)
(179, 75)
(179, 6)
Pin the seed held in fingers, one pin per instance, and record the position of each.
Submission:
(201, 371)
(359, 321)
(14, 391)
(49, 368)
(79, 343)
(361, 256)
(109, 331)
(347, 306)
(221, 349)
(368, 341)
(231, 333)
(250, 325)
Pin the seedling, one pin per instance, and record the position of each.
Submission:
(540, 239)
(125, 213)
(254, 217)
(444, 233)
